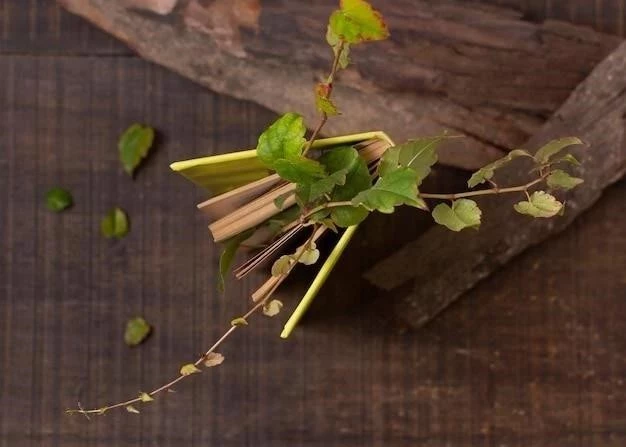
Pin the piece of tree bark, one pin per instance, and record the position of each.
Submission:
(439, 266)
(473, 69)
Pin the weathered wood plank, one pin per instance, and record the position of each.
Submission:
(475, 69)
(539, 366)
(596, 112)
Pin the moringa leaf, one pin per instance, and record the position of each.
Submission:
(541, 204)
(189, 369)
(545, 153)
(464, 213)
(559, 179)
(486, 172)
(398, 187)
(58, 199)
(228, 256)
(272, 308)
(115, 224)
(356, 21)
(134, 145)
(137, 330)
(283, 139)
(419, 155)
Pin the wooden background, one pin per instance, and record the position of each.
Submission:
(535, 356)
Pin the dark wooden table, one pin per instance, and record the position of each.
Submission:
(535, 356)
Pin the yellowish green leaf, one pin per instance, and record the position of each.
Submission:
(487, 172)
(356, 21)
(137, 330)
(272, 308)
(310, 255)
(464, 213)
(188, 369)
(545, 153)
(145, 397)
(239, 321)
(131, 409)
(559, 179)
(541, 204)
(115, 224)
(282, 265)
(134, 145)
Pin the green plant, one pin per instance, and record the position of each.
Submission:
(336, 189)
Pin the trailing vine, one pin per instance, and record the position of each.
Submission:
(337, 189)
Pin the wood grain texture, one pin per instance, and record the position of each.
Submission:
(538, 365)
(41, 26)
(596, 112)
(475, 69)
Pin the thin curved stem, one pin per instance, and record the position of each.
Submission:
(212, 349)
(329, 81)
(482, 192)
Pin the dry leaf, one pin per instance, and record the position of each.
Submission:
(213, 359)
(272, 308)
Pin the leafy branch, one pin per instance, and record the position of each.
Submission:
(339, 188)
(210, 358)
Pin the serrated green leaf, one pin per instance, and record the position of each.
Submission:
(239, 321)
(487, 172)
(464, 213)
(356, 21)
(283, 139)
(145, 397)
(398, 187)
(58, 199)
(541, 204)
(545, 153)
(115, 224)
(213, 359)
(310, 255)
(559, 179)
(272, 308)
(282, 265)
(137, 330)
(189, 369)
(419, 155)
(134, 145)
(357, 179)
(310, 192)
(299, 169)
(131, 409)
(228, 256)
